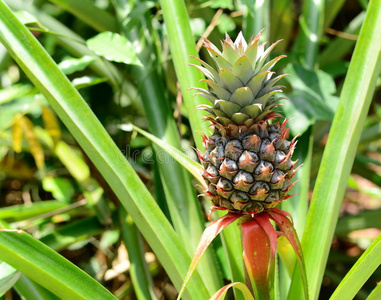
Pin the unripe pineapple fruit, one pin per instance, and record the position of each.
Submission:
(247, 160)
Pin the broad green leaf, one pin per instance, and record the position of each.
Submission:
(309, 101)
(226, 24)
(48, 268)
(114, 47)
(60, 187)
(27, 104)
(71, 65)
(198, 26)
(220, 295)
(8, 277)
(369, 261)
(193, 167)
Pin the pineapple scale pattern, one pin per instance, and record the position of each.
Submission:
(247, 160)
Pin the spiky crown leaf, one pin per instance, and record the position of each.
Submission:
(241, 87)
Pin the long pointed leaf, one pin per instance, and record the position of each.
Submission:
(193, 167)
(8, 277)
(210, 233)
(337, 161)
(93, 138)
(285, 224)
(369, 261)
(28, 289)
(48, 268)
(182, 46)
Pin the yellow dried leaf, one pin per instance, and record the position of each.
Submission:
(35, 146)
(51, 123)
(17, 133)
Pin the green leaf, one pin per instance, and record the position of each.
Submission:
(226, 24)
(14, 91)
(22, 212)
(309, 101)
(98, 145)
(363, 220)
(88, 12)
(60, 187)
(368, 262)
(8, 277)
(28, 19)
(72, 161)
(210, 233)
(284, 222)
(193, 167)
(222, 4)
(71, 233)
(140, 275)
(376, 293)
(28, 289)
(48, 268)
(114, 47)
(86, 81)
(340, 151)
(71, 65)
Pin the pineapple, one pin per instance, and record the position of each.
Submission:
(247, 160)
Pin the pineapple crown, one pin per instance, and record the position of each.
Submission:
(240, 87)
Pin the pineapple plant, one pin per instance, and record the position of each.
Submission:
(247, 160)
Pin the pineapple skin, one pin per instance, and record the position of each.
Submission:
(247, 160)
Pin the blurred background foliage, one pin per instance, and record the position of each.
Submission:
(51, 189)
